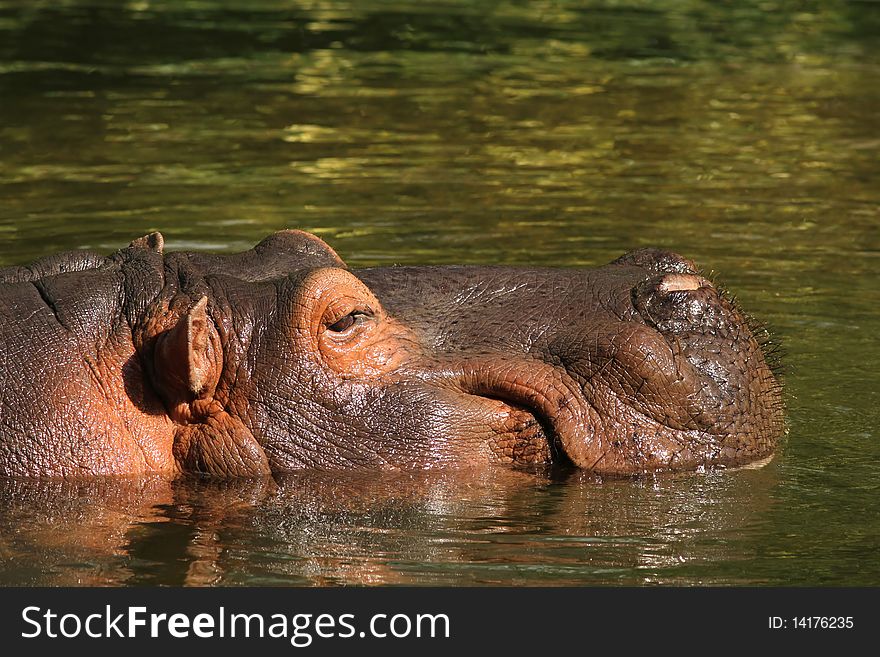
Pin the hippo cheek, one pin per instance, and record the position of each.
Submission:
(628, 406)
(584, 422)
(533, 411)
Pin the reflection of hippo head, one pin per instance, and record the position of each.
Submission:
(369, 527)
(281, 358)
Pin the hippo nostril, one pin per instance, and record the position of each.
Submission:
(676, 302)
(681, 283)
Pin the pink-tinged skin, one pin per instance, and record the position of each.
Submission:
(282, 359)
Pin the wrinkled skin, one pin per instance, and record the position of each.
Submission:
(280, 359)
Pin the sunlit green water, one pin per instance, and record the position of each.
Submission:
(745, 135)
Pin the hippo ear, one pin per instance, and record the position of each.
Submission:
(188, 357)
(154, 242)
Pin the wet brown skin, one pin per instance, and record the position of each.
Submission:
(281, 358)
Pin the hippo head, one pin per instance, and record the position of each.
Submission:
(282, 358)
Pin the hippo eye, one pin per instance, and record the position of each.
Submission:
(346, 322)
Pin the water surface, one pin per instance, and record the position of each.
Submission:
(744, 135)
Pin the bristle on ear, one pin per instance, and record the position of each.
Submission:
(198, 345)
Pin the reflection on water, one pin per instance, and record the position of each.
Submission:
(551, 133)
(459, 527)
(481, 527)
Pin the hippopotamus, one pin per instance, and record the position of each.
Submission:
(281, 358)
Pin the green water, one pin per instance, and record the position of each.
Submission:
(744, 135)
